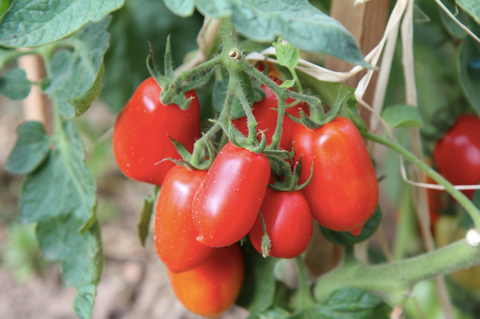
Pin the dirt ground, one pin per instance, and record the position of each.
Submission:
(134, 283)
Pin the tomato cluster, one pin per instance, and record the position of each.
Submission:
(201, 215)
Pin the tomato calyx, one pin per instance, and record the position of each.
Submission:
(317, 117)
(174, 88)
(201, 162)
(286, 178)
(266, 242)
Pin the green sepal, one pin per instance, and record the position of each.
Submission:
(266, 242)
(161, 80)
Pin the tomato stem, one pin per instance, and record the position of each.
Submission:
(306, 298)
(458, 195)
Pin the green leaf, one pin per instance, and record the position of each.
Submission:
(347, 239)
(138, 22)
(469, 64)
(452, 27)
(299, 22)
(274, 313)
(62, 185)
(76, 74)
(82, 102)
(30, 23)
(182, 8)
(472, 7)
(352, 303)
(30, 150)
(287, 54)
(81, 257)
(146, 214)
(402, 115)
(14, 84)
(258, 289)
(287, 84)
(220, 88)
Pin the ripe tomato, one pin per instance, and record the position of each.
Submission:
(266, 115)
(288, 221)
(175, 235)
(140, 135)
(212, 288)
(343, 192)
(226, 205)
(457, 154)
(447, 230)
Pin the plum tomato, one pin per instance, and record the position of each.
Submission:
(174, 233)
(457, 153)
(226, 205)
(212, 288)
(288, 222)
(141, 130)
(343, 193)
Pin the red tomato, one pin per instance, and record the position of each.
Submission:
(266, 115)
(175, 235)
(212, 288)
(288, 221)
(140, 137)
(343, 192)
(457, 154)
(226, 205)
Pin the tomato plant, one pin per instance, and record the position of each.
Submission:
(226, 205)
(142, 130)
(288, 224)
(175, 235)
(212, 288)
(457, 153)
(216, 177)
(343, 192)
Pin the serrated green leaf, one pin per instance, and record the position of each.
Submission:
(75, 74)
(145, 215)
(220, 88)
(82, 103)
(14, 84)
(81, 257)
(470, 71)
(258, 289)
(299, 22)
(352, 303)
(287, 55)
(30, 23)
(62, 185)
(402, 115)
(274, 313)
(472, 7)
(182, 8)
(347, 239)
(30, 150)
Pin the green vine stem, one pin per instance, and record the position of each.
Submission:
(393, 281)
(305, 295)
(459, 196)
(277, 135)
(251, 122)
